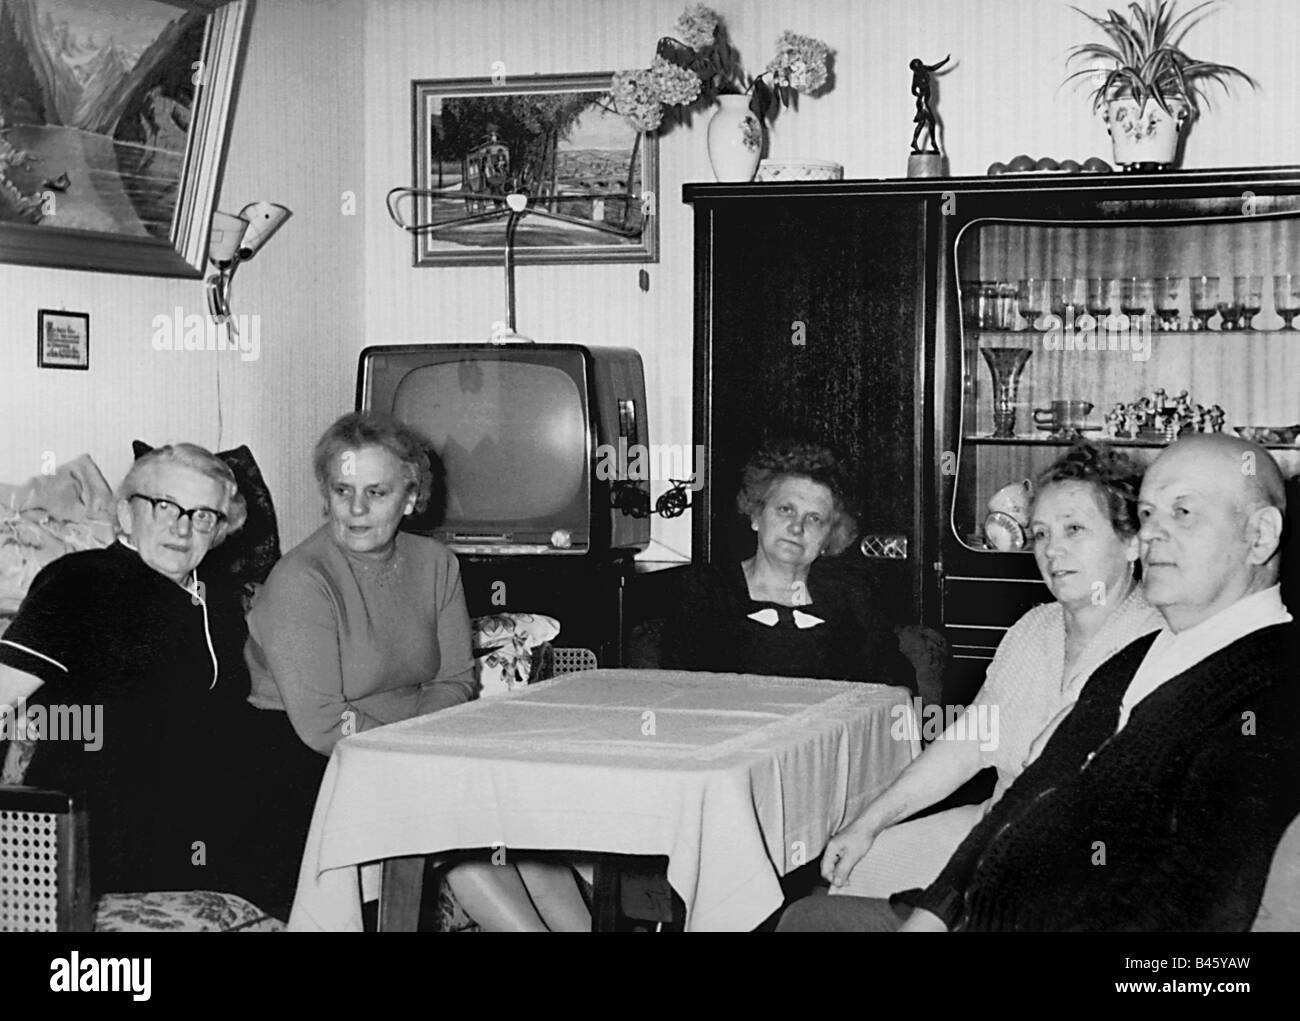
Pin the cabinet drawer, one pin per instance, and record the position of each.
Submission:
(976, 605)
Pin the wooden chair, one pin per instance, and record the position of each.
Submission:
(45, 879)
(44, 862)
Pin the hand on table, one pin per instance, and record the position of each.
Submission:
(845, 850)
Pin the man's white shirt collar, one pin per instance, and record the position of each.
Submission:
(1172, 653)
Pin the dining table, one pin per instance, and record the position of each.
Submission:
(736, 779)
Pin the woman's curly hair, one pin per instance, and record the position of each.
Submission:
(786, 458)
(359, 429)
(1114, 476)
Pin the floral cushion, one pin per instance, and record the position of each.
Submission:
(504, 647)
(182, 911)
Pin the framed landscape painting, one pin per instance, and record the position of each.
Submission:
(113, 123)
(590, 176)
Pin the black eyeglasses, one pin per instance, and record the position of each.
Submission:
(204, 519)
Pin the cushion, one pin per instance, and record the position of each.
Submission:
(181, 911)
(247, 556)
(504, 645)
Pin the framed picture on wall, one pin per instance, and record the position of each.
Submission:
(113, 124)
(590, 177)
(62, 340)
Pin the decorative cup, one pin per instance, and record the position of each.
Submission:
(1063, 416)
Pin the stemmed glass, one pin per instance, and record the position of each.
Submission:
(1067, 298)
(1134, 296)
(1205, 300)
(1098, 300)
(1248, 296)
(1286, 297)
(1169, 299)
(1034, 294)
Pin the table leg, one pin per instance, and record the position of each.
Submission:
(400, 889)
(604, 894)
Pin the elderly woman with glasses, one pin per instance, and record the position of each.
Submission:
(126, 664)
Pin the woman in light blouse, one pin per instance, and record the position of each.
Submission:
(362, 625)
(1084, 528)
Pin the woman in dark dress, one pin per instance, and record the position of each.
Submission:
(785, 611)
(142, 650)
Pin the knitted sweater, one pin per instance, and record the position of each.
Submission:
(343, 643)
(1167, 825)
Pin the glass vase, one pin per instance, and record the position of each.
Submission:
(1005, 365)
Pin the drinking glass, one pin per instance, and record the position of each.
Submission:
(1169, 300)
(1286, 297)
(1035, 295)
(1135, 296)
(1003, 308)
(1205, 299)
(1248, 296)
(1067, 297)
(1098, 300)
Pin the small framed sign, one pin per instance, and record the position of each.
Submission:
(62, 339)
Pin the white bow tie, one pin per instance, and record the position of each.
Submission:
(770, 618)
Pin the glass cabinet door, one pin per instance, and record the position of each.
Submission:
(1121, 332)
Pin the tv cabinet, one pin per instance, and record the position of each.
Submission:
(859, 313)
(597, 600)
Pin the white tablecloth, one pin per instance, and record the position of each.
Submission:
(738, 779)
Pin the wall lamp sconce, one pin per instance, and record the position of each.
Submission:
(235, 239)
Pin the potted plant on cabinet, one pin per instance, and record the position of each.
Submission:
(1150, 88)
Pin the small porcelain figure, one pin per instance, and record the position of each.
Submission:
(1114, 420)
(1145, 415)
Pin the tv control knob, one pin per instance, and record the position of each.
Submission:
(561, 538)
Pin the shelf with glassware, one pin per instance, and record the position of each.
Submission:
(1126, 334)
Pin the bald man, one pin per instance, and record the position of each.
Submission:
(1158, 801)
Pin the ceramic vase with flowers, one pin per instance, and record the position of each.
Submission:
(702, 67)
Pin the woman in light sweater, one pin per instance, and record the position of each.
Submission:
(363, 625)
(1084, 529)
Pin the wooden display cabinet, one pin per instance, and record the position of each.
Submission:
(901, 285)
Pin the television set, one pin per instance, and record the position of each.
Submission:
(534, 439)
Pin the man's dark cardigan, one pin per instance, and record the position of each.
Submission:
(1168, 825)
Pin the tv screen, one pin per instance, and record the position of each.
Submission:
(512, 437)
(527, 436)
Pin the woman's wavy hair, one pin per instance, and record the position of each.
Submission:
(1114, 476)
(787, 458)
(198, 459)
(359, 429)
